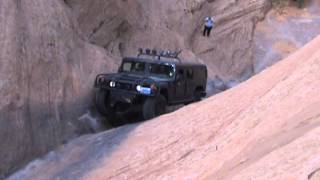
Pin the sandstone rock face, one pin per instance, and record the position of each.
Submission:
(50, 55)
(285, 29)
(122, 27)
(266, 128)
(46, 76)
(47, 67)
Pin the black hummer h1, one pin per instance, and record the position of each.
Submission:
(148, 83)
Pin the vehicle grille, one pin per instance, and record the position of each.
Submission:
(124, 86)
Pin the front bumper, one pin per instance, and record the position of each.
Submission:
(123, 102)
(120, 96)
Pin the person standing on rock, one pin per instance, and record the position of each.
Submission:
(208, 25)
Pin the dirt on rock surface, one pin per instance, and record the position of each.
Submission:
(266, 128)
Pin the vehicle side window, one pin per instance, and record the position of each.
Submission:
(161, 70)
(138, 67)
(126, 67)
(190, 73)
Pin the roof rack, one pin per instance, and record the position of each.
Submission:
(163, 53)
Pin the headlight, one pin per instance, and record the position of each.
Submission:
(138, 88)
(112, 84)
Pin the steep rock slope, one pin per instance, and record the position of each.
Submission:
(46, 76)
(266, 128)
(122, 27)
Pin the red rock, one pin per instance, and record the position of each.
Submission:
(266, 128)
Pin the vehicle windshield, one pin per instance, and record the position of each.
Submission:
(132, 66)
(161, 70)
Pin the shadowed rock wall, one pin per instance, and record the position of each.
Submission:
(46, 76)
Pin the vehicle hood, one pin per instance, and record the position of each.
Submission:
(133, 78)
(128, 78)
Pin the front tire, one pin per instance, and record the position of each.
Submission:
(104, 108)
(101, 99)
(154, 106)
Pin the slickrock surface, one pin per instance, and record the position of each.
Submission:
(266, 128)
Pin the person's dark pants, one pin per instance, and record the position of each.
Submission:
(207, 31)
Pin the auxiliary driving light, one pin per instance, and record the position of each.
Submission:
(138, 88)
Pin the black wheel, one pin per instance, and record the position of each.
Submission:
(154, 106)
(104, 108)
(101, 99)
(197, 95)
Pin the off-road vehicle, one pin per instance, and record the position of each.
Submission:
(148, 83)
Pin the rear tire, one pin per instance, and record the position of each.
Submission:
(154, 106)
(197, 95)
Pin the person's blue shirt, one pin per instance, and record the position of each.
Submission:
(209, 22)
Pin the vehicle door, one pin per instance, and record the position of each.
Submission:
(180, 84)
(190, 84)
